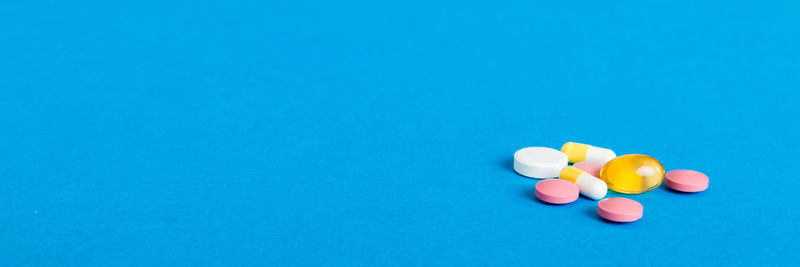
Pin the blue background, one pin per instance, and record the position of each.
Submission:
(382, 133)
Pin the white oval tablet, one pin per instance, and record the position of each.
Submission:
(539, 162)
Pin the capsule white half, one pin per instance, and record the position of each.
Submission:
(599, 154)
(590, 186)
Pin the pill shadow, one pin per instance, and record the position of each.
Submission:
(676, 191)
(508, 165)
(531, 194)
(681, 192)
(592, 212)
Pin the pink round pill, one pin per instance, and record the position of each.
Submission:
(687, 180)
(592, 168)
(620, 209)
(556, 191)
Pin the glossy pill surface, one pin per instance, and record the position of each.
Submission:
(632, 174)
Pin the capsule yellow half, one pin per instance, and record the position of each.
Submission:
(577, 152)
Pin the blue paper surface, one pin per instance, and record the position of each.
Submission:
(374, 133)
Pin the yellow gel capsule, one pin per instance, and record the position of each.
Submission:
(632, 174)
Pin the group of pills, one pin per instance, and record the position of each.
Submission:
(594, 171)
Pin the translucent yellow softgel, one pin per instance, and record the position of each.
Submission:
(632, 174)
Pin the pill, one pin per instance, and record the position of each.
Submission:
(556, 191)
(632, 174)
(590, 186)
(539, 162)
(687, 180)
(620, 209)
(589, 167)
(577, 152)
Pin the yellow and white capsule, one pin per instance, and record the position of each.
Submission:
(590, 186)
(577, 152)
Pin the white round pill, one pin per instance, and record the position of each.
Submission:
(539, 162)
